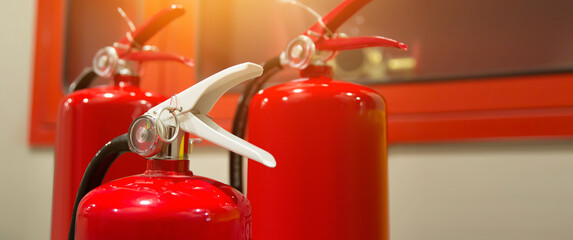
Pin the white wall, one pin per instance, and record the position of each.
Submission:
(511, 190)
(25, 178)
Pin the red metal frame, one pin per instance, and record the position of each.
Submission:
(534, 106)
(46, 92)
(491, 108)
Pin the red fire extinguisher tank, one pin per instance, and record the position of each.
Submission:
(168, 201)
(84, 124)
(330, 140)
(165, 202)
(83, 129)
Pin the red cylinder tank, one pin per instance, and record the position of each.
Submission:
(329, 139)
(89, 118)
(84, 126)
(166, 202)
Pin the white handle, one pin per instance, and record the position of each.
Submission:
(204, 127)
(195, 102)
(201, 97)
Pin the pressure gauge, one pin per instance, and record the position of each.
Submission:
(143, 136)
(148, 135)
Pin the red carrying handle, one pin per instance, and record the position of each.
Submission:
(106, 61)
(145, 31)
(158, 56)
(336, 17)
(150, 27)
(339, 44)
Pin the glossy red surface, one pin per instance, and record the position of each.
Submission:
(88, 119)
(329, 141)
(166, 202)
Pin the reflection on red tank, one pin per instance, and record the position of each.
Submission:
(166, 202)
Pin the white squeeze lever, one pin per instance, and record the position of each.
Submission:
(188, 110)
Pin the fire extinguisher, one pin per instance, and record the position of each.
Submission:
(328, 135)
(83, 125)
(167, 201)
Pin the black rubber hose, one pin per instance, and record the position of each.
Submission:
(84, 80)
(96, 170)
(270, 68)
